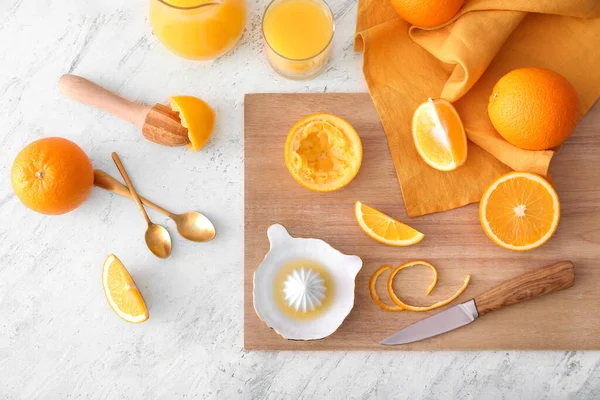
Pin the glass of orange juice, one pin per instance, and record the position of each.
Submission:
(298, 36)
(198, 29)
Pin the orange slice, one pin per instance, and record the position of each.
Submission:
(123, 296)
(323, 152)
(399, 304)
(197, 116)
(439, 135)
(520, 211)
(385, 229)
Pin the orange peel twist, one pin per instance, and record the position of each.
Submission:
(399, 304)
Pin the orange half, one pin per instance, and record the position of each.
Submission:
(197, 116)
(121, 292)
(520, 211)
(323, 152)
(439, 135)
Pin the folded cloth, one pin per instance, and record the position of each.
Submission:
(461, 61)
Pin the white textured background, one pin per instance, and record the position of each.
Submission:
(59, 338)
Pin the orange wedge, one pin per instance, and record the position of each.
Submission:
(439, 135)
(383, 228)
(197, 116)
(323, 152)
(519, 211)
(123, 296)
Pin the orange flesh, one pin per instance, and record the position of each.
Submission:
(385, 226)
(520, 211)
(453, 128)
(122, 293)
(323, 152)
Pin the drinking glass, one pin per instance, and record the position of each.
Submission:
(298, 37)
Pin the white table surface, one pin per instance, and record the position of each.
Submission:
(58, 337)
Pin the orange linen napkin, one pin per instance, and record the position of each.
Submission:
(461, 61)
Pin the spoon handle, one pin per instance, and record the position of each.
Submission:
(87, 92)
(107, 182)
(134, 194)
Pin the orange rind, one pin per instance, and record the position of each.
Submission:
(399, 304)
(373, 290)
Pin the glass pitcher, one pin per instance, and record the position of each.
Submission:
(198, 29)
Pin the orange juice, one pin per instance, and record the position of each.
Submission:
(198, 29)
(298, 34)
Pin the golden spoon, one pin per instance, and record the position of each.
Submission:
(157, 237)
(191, 225)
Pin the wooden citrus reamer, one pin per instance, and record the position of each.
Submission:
(158, 123)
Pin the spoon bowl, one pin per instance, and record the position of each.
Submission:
(194, 226)
(158, 240)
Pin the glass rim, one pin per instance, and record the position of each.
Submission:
(262, 27)
(211, 3)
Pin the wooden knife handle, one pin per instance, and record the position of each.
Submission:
(87, 92)
(530, 285)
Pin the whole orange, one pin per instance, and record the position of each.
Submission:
(52, 176)
(427, 13)
(534, 108)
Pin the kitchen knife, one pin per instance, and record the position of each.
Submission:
(530, 285)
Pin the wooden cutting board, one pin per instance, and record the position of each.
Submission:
(454, 241)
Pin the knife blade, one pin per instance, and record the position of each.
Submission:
(528, 286)
(448, 320)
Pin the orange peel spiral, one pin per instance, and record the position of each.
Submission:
(399, 304)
